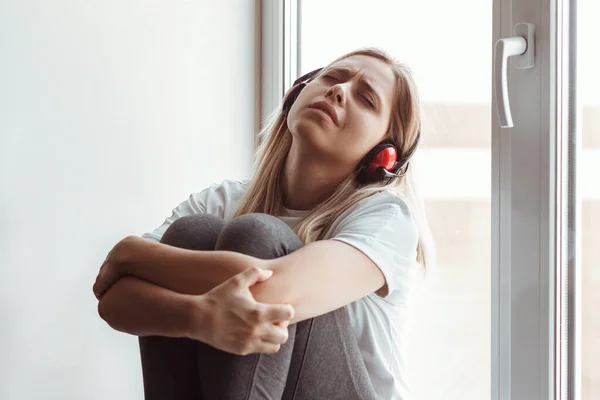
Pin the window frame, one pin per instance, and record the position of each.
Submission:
(278, 52)
(527, 268)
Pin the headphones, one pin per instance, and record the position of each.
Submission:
(381, 163)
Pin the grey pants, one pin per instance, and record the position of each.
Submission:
(320, 360)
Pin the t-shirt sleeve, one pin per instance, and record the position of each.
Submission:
(195, 204)
(382, 228)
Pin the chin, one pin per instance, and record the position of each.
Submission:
(308, 122)
(313, 136)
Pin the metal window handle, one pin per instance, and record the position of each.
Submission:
(521, 45)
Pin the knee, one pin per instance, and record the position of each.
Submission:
(194, 232)
(259, 235)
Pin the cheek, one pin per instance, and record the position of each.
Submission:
(363, 126)
(296, 109)
(293, 119)
(361, 133)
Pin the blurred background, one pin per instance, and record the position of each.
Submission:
(112, 113)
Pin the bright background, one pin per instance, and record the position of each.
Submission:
(111, 113)
(450, 53)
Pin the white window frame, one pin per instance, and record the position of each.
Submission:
(528, 248)
(278, 52)
(528, 266)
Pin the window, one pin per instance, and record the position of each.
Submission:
(450, 338)
(585, 193)
(510, 311)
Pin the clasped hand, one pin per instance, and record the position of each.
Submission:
(226, 317)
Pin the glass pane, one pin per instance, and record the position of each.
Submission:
(588, 101)
(449, 350)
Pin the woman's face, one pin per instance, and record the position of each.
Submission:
(359, 90)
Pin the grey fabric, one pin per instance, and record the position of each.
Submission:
(170, 365)
(320, 360)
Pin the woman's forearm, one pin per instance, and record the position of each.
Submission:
(182, 270)
(141, 308)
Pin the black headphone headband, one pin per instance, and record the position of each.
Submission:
(308, 76)
(362, 172)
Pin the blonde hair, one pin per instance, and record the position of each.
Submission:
(264, 193)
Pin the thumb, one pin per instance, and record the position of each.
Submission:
(252, 275)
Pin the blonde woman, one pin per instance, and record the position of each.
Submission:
(294, 284)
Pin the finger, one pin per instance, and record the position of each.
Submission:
(96, 294)
(100, 282)
(278, 312)
(275, 334)
(96, 289)
(268, 348)
(103, 283)
(264, 275)
(284, 324)
(250, 276)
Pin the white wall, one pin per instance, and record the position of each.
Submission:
(111, 113)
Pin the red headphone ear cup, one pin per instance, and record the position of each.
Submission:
(385, 158)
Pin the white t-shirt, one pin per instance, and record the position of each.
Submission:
(382, 228)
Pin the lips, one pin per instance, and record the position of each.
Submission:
(328, 109)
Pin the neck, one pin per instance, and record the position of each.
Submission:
(307, 180)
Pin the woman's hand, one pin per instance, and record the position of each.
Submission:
(229, 318)
(110, 271)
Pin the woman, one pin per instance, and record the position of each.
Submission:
(330, 213)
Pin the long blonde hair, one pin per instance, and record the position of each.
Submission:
(264, 194)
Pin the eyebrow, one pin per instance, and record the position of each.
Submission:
(348, 71)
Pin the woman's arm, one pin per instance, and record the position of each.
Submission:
(227, 317)
(320, 277)
(141, 308)
(315, 279)
(184, 271)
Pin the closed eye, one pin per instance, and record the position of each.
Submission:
(364, 97)
(369, 102)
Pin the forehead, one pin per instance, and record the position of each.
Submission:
(376, 71)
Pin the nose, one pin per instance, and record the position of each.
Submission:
(338, 93)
